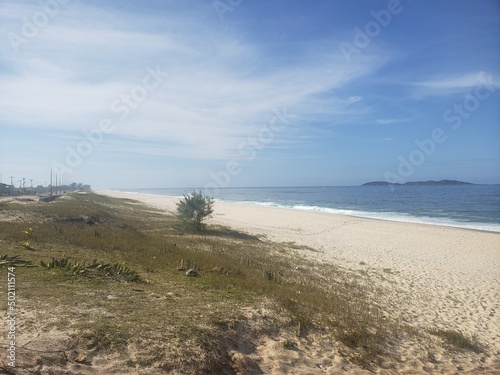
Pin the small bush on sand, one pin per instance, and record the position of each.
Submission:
(193, 209)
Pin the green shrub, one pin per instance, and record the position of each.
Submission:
(193, 209)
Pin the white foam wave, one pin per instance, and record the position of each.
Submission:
(389, 216)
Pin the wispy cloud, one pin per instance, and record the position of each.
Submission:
(457, 84)
(460, 82)
(221, 82)
(217, 90)
(388, 121)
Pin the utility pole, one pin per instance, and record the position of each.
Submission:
(51, 182)
(11, 185)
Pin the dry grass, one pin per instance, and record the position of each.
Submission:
(175, 322)
(457, 340)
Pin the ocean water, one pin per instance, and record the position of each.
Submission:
(464, 206)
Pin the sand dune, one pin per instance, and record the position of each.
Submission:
(437, 277)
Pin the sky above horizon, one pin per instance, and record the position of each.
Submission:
(228, 93)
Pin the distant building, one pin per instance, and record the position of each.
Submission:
(4, 189)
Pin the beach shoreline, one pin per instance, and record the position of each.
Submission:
(438, 277)
(363, 213)
(277, 290)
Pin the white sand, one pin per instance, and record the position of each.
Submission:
(442, 277)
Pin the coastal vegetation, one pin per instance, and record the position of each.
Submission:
(101, 278)
(193, 208)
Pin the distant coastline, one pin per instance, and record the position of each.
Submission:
(464, 206)
(418, 183)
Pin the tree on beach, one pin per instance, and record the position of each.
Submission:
(193, 209)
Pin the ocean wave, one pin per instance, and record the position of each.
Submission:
(385, 215)
(388, 216)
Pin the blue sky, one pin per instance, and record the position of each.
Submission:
(129, 94)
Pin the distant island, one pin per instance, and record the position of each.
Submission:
(418, 183)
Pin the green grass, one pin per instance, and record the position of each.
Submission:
(170, 317)
(106, 334)
(236, 270)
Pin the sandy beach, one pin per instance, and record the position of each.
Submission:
(437, 277)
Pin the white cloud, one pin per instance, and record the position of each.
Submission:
(388, 121)
(457, 84)
(464, 81)
(216, 93)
